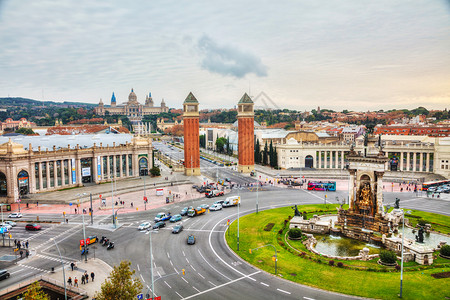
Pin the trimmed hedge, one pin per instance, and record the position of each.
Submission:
(445, 250)
(388, 257)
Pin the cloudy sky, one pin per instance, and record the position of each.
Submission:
(357, 55)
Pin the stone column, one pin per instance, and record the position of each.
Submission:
(337, 159)
(114, 165)
(108, 167)
(127, 161)
(69, 168)
(41, 183)
(414, 161)
(47, 169)
(32, 176)
(342, 159)
(78, 171)
(401, 161)
(95, 169)
(408, 161)
(121, 165)
(379, 192)
(63, 175)
(55, 173)
(428, 162)
(351, 184)
(421, 162)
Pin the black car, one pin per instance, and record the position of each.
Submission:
(4, 274)
(191, 239)
(177, 229)
(159, 225)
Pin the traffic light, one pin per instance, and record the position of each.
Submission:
(250, 250)
(64, 213)
(183, 271)
(274, 258)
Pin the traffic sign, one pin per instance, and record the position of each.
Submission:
(81, 242)
(140, 296)
(88, 241)
(70, 204)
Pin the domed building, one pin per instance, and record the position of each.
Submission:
(132, 109)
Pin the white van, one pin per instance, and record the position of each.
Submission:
(232, 201)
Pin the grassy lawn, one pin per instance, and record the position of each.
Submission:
(384, 283)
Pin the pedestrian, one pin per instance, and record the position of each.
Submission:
(92, 276)
(75, 282)
(15, 243)
(27, 253)
(67, 221)
(82, 279)
(69, 281)
(26, 244)
(23, 245)
(72, 265)
(21, 253)
(37, 203)
(131, 204)
(75, 210)
(18, 244)
(27, 204)
(86, 275)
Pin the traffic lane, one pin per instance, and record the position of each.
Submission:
(17, 274)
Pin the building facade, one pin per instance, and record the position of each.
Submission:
(134, 110)
(11, 124)
(34, 169)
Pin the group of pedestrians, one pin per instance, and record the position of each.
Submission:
(22, 248)
(84, 277)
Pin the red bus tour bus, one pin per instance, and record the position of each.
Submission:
(322, 186)
(429, 184)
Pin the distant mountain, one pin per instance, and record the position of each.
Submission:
(18, 101)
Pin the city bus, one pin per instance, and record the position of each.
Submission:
(322, 186)
(427, 185)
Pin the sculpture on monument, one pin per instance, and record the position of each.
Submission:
(419, 237)
(296, 212)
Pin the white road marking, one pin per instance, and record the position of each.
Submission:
(196, 289)
(212, 266)
(183, 253)
(283, 291)
(21, 270)
(193, 268)
(212, 283)
(184, 280)
(219, 286)
(308, 298)
(187, 260)
(138, 267)
(168, 255)
(201, 275)
(176, 271)
(142, 278)
(171, 262)
(167, 284)
(265, 284)
(27, 274)
(179, 295)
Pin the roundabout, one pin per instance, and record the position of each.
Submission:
(354, 277)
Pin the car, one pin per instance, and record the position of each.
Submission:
(162, 217)
(92, 239)
(184, 211)
(227, 180)
(216, 206)
(175, 218)
(177, 228)
(159, 225)
(10, 223)
(4, 274)
(205, 206)
(7, 226)
(32, 227)
(191, 239)
(219, 202)
(144, 226)
(15, 215)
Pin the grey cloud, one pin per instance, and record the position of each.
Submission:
(228, 60)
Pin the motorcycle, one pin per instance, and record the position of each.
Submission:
(110, 246)
(105, 242)
(102, 239)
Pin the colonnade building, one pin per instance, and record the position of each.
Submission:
(35, 164)
(410, 154)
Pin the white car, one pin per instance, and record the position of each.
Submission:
(10, 223)
(15, 215)
(7, 226)
(215, 206)
(144, 226)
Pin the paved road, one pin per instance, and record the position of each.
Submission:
(212, 270)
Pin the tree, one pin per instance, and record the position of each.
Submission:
(265, 153)
(257, 152)
(275, 158)
(203, 141)
(271, 154)
(120, 284)
(155, 171)
(26, 131)
(34, 292)
(220, 143)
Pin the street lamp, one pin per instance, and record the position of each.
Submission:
(64, 272)
(238, 205)
(401, 266)
(151, 265)
(84, 230)
(145, 198)
(257, 190)
(276, 257)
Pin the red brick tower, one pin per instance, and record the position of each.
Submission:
(191, 136)
(246, 136)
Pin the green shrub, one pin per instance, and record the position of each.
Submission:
(388, 257)
(340, 264)
(445, 250)
(331, 263)
(295, 233)
(155, 171)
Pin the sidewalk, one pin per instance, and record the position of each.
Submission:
(99, 267)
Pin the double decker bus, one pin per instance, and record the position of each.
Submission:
(322, 186)
(427, 185)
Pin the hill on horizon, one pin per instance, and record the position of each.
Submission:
(19, 101)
